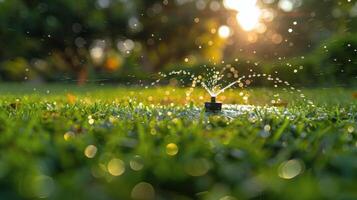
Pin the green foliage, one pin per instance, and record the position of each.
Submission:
(14, 70)
(332, 63)
(56, 38)
(339, 59)
(298, 152)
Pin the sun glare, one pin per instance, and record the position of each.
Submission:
(239, 5)
(248, 12)
(249, 18)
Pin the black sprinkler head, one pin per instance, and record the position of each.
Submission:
(213, 106)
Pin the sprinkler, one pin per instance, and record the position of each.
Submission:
(213, 106)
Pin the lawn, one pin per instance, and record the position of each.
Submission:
(109, 142)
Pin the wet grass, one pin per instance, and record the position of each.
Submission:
(109, 142)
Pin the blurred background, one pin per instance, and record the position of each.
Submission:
(306, 42)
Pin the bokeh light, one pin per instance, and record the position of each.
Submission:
(286, 5)
(172, 149)
(143, 191)
(136, 163)
(90, 151)
(43, 186)
(68, 135)
(249, 13)
(290, 169)
(197, 167)
(224, 31)
(116, 167)
(239, 5)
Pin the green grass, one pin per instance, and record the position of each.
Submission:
(107, 142)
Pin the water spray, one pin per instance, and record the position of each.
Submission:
(213, 106)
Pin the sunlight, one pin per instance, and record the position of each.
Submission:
(239, 5)
(249, 18)
(248, 12)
